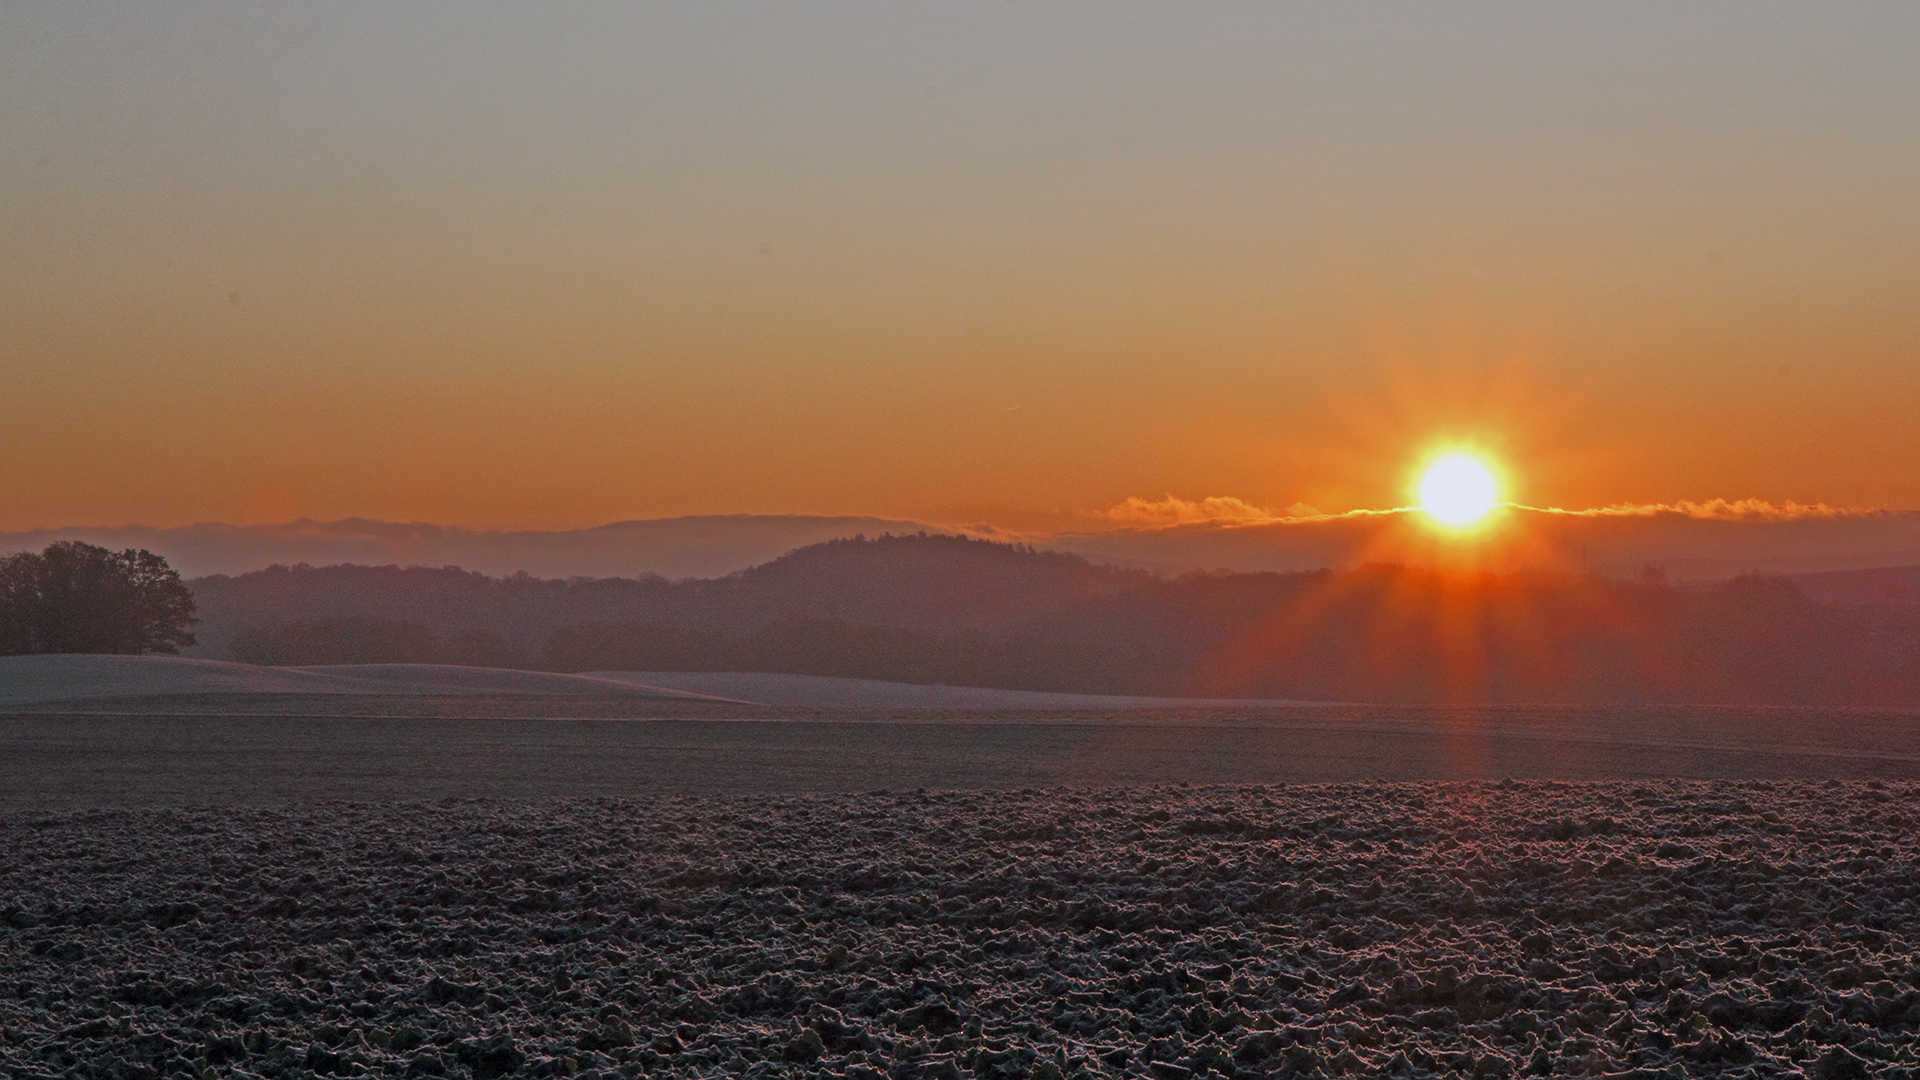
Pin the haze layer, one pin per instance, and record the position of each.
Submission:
(526, 269)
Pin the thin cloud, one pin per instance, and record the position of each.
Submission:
(1212, 510)
(1229, 512)
(1724, 510)
(1174, 511)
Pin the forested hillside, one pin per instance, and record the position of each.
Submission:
(933, 583)
(970, 612)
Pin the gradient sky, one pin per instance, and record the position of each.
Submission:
(518, 266)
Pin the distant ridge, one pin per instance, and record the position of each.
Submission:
(932, 609)
(702, 546)
(1688, 546)
(1882, 585)
(933, 582)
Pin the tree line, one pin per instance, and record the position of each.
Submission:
(1386, 634)
(78, 598)
(938, 583)
(363, 640)
(968, 612)
(814, 646)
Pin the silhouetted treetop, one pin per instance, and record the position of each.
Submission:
(78, 598)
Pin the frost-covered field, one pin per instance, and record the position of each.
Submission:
(1670, 928)
(284, 749)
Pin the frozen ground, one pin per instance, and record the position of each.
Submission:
(824, 692)
(440, 872)
(52, 680)
(1477, 929)
(512, 749)
(236, 749)
(46, 680)
(143, 731)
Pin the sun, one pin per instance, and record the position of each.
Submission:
(1457, 490)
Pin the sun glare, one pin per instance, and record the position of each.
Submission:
(1457, 490)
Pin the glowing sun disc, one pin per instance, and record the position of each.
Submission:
(1458, 490)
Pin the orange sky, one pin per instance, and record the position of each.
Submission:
(512, 269)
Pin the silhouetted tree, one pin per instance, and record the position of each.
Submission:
(78, 598)
(18, 602)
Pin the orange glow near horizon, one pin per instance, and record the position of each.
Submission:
(960, 264)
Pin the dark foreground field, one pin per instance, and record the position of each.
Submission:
(1714, 928)
(272, 749)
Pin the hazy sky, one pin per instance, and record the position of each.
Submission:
(550, 266)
